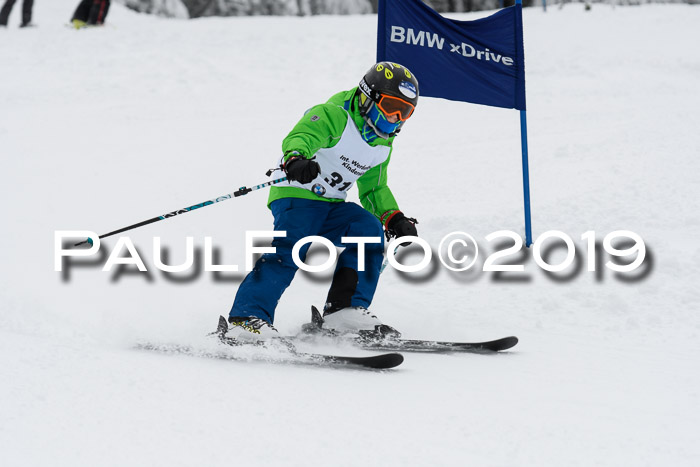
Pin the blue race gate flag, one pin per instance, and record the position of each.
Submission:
(479, 61)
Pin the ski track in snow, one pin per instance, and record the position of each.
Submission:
(104, 128)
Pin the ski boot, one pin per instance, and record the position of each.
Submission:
(250, 329)
(357, 321)
(241, 330)
(78, 24)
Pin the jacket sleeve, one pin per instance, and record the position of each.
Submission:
(320, 127)
(375, 195)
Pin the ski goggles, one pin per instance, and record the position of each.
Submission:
(390, 105)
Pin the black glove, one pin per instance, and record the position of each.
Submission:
(400, 226)
(301, 169)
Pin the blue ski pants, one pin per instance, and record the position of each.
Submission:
(262, 288)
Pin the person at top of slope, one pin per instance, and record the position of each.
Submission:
(26, 13)
(90, 13)
(345, 140)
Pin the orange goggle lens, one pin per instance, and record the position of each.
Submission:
(390, 105)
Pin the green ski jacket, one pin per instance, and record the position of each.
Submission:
(324, 130)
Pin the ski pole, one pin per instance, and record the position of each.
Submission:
(386, 260)
(240, 192)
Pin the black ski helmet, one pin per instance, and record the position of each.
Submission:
(391, 79)
(387, 78)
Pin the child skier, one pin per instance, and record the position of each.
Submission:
(346, 140)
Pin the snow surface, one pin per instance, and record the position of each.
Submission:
(107, 127)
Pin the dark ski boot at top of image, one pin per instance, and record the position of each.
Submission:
(380, 362)
(387, 338)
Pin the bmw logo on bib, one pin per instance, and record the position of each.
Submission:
(318, 189)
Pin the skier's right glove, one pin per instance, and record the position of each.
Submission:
(399, 226)
(300, 169)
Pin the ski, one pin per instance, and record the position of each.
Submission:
(417, 345)
(387, 342)
(383, 361)
(375, 362)
(284, 352)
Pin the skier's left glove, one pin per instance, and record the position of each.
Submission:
(398, 225)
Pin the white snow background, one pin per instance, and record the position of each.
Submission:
(106, 127)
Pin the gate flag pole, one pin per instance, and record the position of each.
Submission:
(526, 170)
(526, 179)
